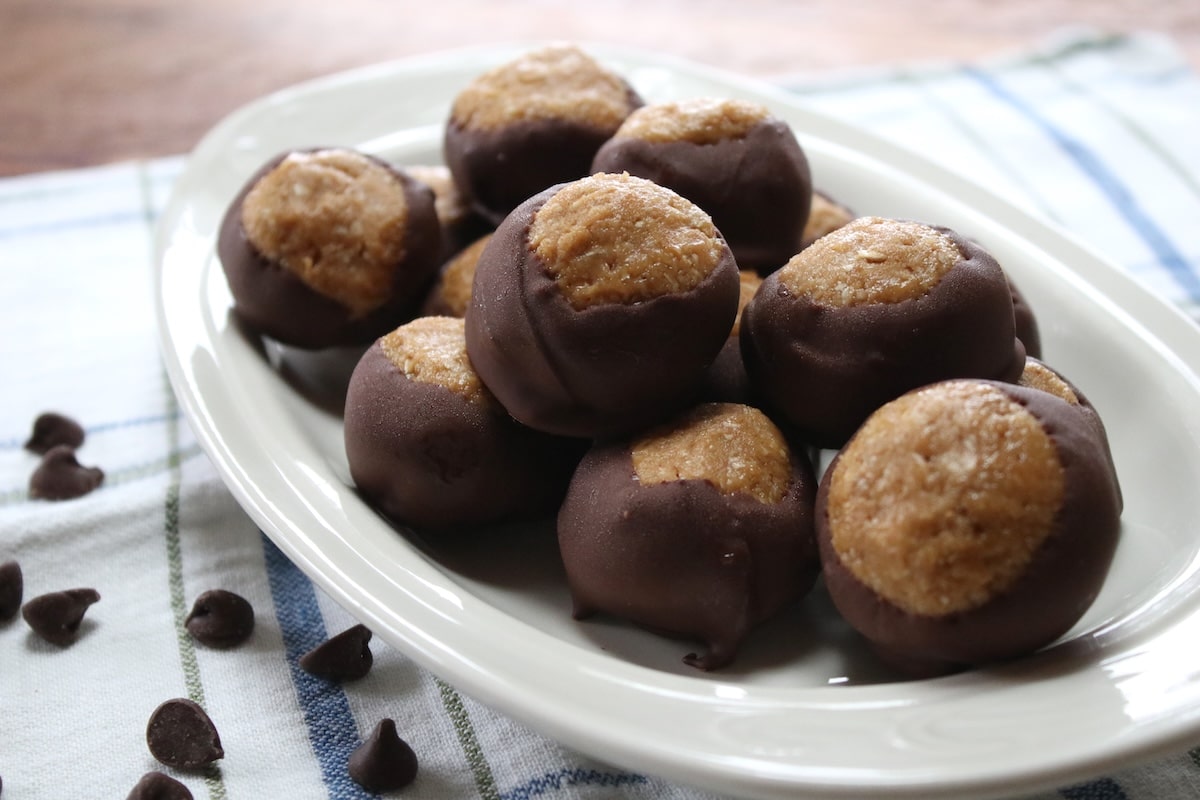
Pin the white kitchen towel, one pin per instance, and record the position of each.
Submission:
(1096, 133)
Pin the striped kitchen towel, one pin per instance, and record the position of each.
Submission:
(1095, 133)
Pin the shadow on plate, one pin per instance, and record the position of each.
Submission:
(319, 376)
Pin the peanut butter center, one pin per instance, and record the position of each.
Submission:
(871, 260)
(825, 216)
(448, 202)
(558, 82)
(615, 238)
(1037, 375)
(453, 288)
(699, 121)
(733, 447)
(336, 220)
(748, 283)
(434, 350)
(942, 498)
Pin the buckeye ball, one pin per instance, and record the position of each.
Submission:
(430, 447)
(598, 305)
(1026, 322)
(825, 216)
(726, 379)
(329, 247)
(734, 159)
(700, 528)
(1040, 375)
(531, 123)
(450, 295)
(460, 224)
(869, 311)
(967, 522)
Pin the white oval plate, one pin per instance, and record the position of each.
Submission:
(802, 713)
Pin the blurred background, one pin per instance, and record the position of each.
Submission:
(86, 82)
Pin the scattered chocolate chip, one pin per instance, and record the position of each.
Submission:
(159, 786)
(384, 762)
(179, 734)
(12, 587)
(56, 616)
(60, 476)
(50, 430)
(345, 657)
(220, 619)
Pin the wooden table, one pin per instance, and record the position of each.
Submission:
(85, 82)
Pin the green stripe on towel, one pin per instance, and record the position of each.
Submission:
(485, 782)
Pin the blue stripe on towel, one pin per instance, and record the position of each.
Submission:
(567, 777)
(1102, 789)
(1112, 186)
(331, 727)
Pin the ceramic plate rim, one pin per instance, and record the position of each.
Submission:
(460, 638)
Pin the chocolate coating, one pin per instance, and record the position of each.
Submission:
(757, 188)
(726, 380)
(531, 123)
(1056, 588)
(825, 369)
(681, 558)
(275, 302)
(1083, 405)
(499, 169)
(1026, 323)
(599, 371)
(427, 457)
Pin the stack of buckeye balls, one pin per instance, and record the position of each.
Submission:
(642, 318)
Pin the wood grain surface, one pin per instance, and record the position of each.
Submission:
(85, 82)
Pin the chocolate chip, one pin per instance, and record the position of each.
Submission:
(384, 762)
(220, 619)
(51, 429)
(56, 616)
(61, 477)
(345, 657)
(12, 587)
(159, 786)
(179, 734)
